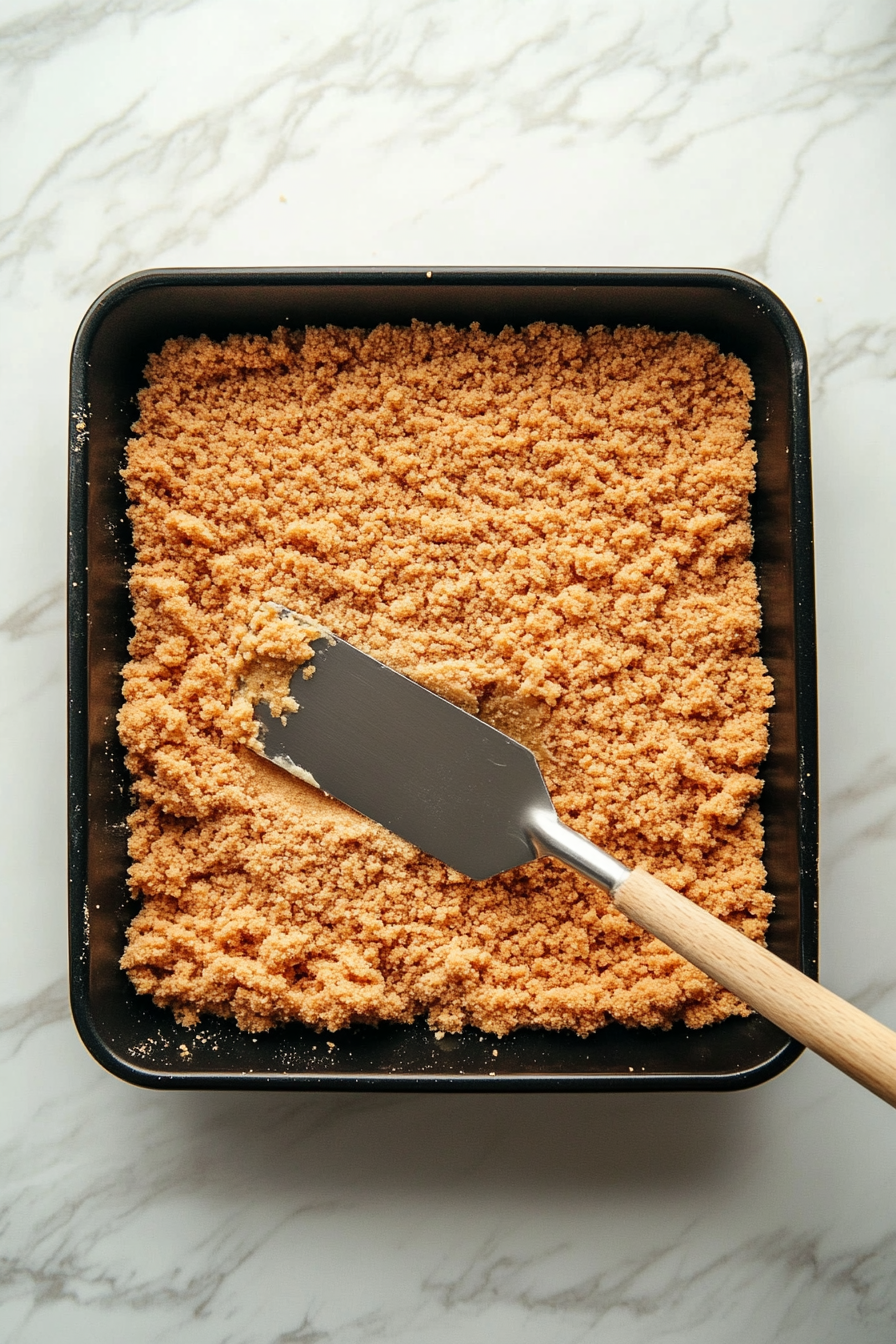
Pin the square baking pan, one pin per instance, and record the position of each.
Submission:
(143, 1044)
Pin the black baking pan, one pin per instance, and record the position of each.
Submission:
(141, 1043)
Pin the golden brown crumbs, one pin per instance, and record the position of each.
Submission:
(550, 528)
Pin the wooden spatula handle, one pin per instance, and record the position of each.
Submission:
(830, 1026)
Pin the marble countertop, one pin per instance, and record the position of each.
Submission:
(750, 134)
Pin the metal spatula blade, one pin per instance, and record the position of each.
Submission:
(452, 785)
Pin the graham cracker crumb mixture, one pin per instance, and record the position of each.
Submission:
(548, 527)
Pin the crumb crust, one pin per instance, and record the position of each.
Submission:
(549, 527)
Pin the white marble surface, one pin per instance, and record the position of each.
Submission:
(751, 134)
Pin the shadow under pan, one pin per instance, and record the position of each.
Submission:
(143, 1044)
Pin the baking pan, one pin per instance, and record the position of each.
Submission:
(143, 1044)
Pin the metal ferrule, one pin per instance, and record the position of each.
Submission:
(548, 835)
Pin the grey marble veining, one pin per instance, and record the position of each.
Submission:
(210, 132)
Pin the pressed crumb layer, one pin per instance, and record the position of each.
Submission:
(551, 528)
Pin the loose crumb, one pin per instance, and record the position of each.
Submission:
(548, 527)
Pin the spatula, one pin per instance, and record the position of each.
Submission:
(473, 797)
